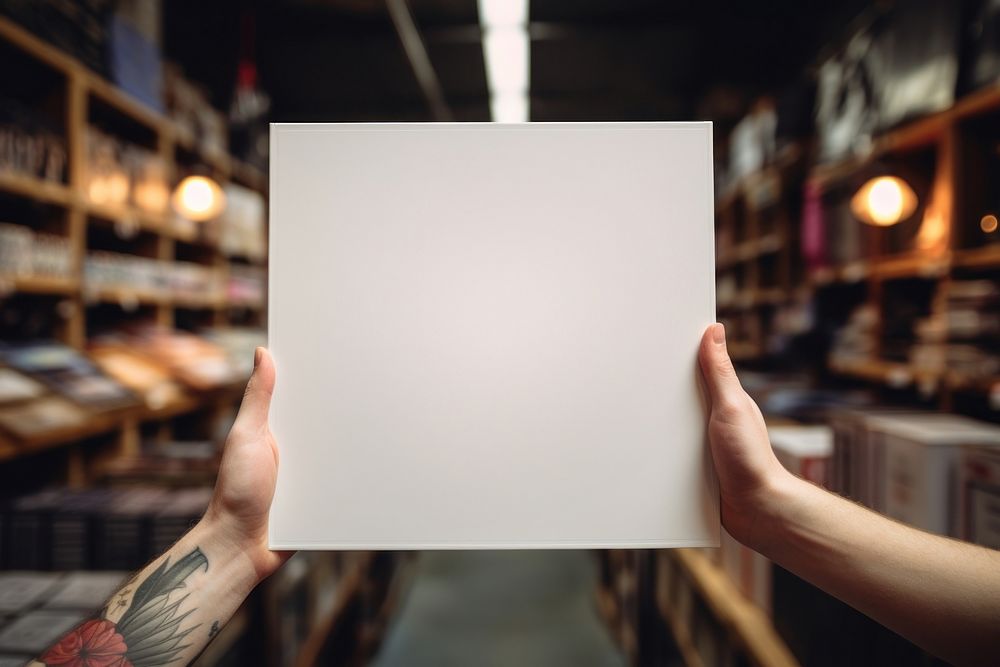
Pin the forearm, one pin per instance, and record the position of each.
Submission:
(170, 610)
(940, 593)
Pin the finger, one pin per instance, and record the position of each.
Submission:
(717, 368)
(257, 398)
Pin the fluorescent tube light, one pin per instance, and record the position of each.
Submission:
(509, 108)
(506, 52)
(503, 13)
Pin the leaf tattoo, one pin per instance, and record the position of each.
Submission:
(149, 634)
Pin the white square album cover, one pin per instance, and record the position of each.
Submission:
(486, 335)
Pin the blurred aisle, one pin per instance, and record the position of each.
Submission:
(504, 608)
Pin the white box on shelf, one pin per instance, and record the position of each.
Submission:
(486, 335)
(922, 458)
(858, 457)
(804, 450)
(979, 503)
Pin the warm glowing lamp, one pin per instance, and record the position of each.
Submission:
(989, 223)
(884, 201)
(199, 198)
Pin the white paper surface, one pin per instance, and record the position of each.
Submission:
(486, 335)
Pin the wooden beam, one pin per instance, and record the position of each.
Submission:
(416, 53)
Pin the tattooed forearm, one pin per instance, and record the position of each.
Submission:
(151, 631)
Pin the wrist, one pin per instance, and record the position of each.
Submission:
(777, 503)
(754, 516)
(246, 552)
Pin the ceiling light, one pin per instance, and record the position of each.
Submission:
(199, 198)
(510, 108)
(506, 53)
(503, 13)
(884, 201)
(988, 223)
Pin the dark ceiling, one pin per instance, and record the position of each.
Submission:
(341, 60)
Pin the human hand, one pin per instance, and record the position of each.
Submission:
(245, 485)
(749, 473)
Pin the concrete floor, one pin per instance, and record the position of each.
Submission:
(500, 608)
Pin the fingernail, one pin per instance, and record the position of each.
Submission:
(719, 334)
(256, 357)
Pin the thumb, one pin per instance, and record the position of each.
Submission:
(717, 368)
(257, 398)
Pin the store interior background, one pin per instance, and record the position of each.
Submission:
(858, 275)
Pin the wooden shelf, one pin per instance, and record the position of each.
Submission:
(349, 587)
(921, 133)
(681, 633)
(249, 176)
(196, 302)
(910, 266)
(123, 102)
(38, 49)
(750, 250)
(891, 374)
(123, 296)
(898, 375)
(243, 304)
(47, 192)
(41, 284)
(892, 267)
(128, 295)
(748, 622)
(982, 101)
(978, 258)
(146, 220)
(99, 423)
(96, 424)
(756, 298)
(217, 160)
(243, 260)
(189, 403)
(982, 385)
(786, 159)
(853, 272)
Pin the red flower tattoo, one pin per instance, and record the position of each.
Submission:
(95, 643)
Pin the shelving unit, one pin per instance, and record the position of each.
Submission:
(104, 437)
(885, 266)
(348, 589)
(942, 260)
(939, 262)
(81, 94)
(757, 251)
(684, 575)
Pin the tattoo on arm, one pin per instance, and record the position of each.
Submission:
(214, 630)
(150, 633)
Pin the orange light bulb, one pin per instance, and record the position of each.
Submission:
(884, 201)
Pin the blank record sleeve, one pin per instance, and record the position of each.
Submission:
(486, 335)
